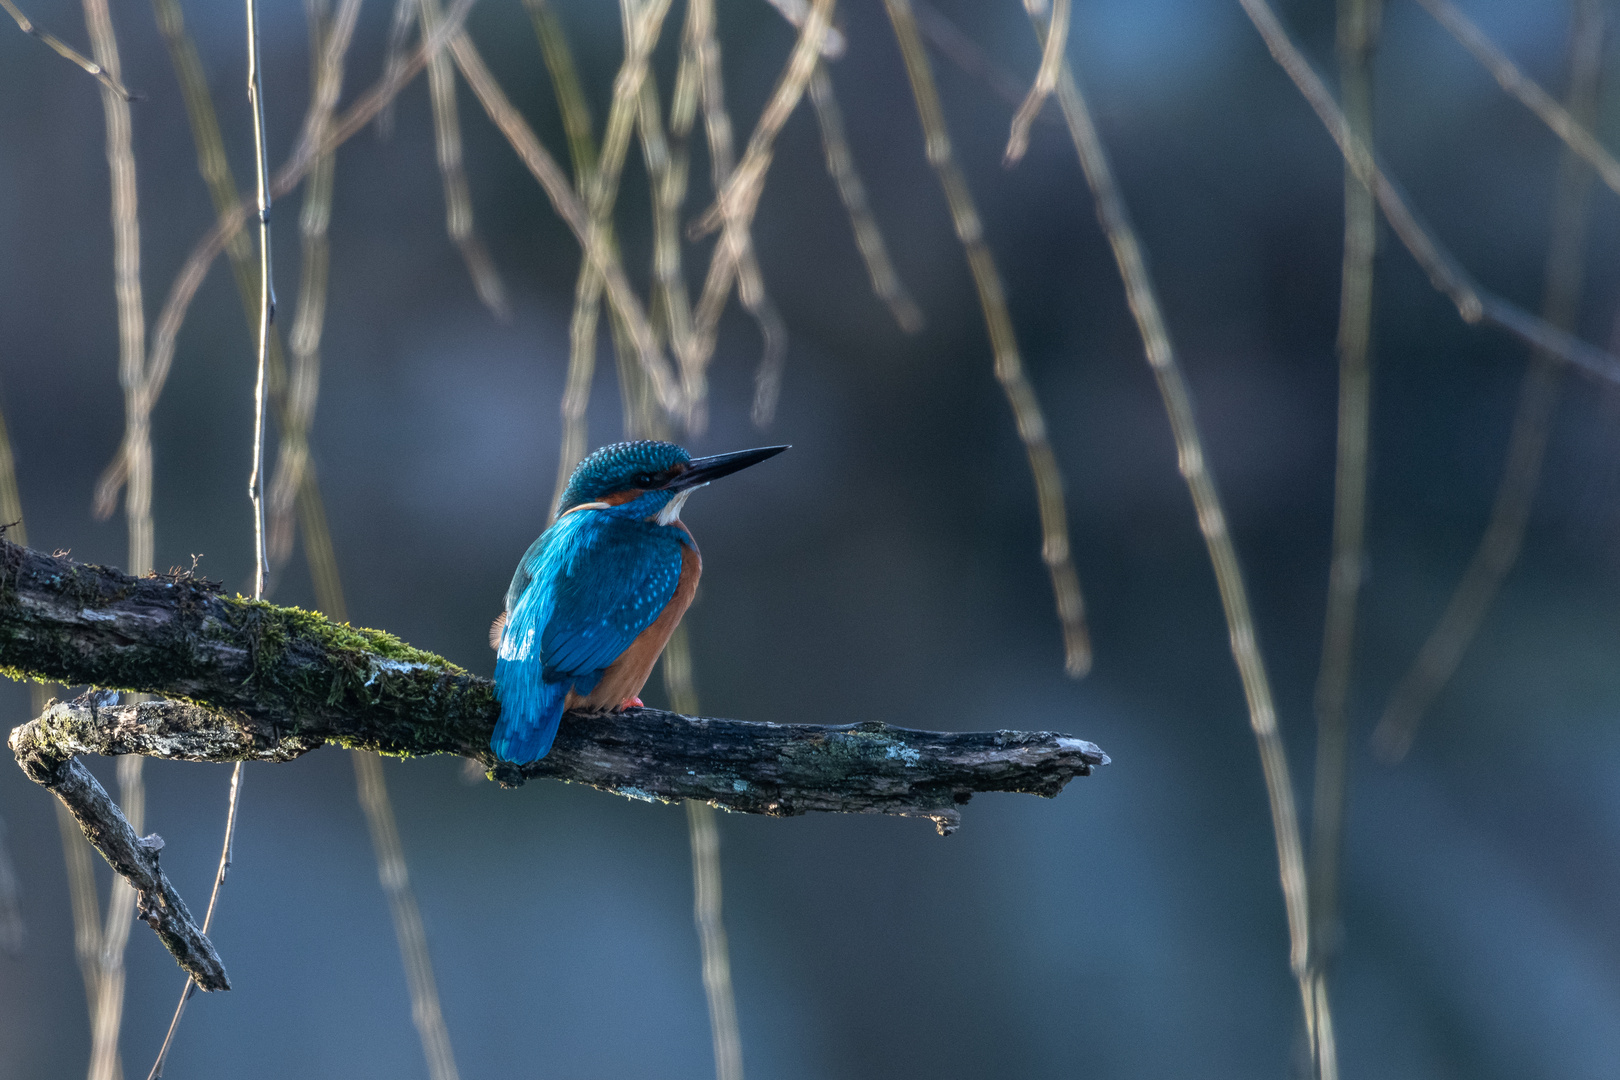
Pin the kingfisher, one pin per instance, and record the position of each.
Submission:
(596, 597)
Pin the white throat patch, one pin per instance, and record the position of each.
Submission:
(672, 509)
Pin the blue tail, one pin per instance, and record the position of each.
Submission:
(531, 709)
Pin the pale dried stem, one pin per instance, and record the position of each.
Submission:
(134, 376)
(703, 63)
(108, 1014)
(886, 283)
(733, 258)
(395, 879)
(399, 36)
(1445, 273)
(457, 199)
(1499, 548)
(226, 854)
(329, 43)
(1566, 123)
(1009, 366)
(1212, 523)
(1357, 34)
(795, 12)
(583, 324)
(703, 831)
(1057, 39)
(229, 227)
(572, 210)
(267, 297)
(66, 51)
(667, 178)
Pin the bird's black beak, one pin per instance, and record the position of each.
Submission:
(700, 471)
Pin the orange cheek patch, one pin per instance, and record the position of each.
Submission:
(619, 498)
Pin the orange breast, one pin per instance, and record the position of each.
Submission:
(625, 677)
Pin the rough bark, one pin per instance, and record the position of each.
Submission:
(253, 681)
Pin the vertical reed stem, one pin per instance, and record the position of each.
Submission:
(1009, 366)
(1499, 548)
(1357, 34)
(1193, 462)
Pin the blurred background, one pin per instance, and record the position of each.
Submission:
(887, 568)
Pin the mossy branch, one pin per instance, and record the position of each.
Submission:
(253, 681)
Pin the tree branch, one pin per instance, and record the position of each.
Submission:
(259, 682)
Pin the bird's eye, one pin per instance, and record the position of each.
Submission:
(646, 480)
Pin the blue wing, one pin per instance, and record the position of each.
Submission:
(581, 595)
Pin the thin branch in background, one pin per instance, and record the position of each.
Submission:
(166, 330)
(66, 51)
(703, 47)
(667, 179)
(961, 50)
(642, 25)
(1358, 26)
(267, 297)
(795, 12)
(329, 43)
(576, 115)
(1566, 123)
(399, 36)
(1009, 367)
(1194, 465)
(457, 200)
(108, 1016)
(134, 373)
(703, 831)
(574, 213)
(396, 883)
(1057, 39)
(134, 376)
(583, 324)
(1445, 273)
(886, 284)
(1499, 548)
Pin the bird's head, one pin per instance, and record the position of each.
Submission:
(648, 479)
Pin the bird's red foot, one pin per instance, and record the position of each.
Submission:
(632, 703)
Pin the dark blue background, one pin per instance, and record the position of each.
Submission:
(887, 568)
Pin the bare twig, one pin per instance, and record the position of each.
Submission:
(886, 284)
(1009, 366)
(457, 200)
(583, 324)
(544, 168)
(1212, 523)
(66, 51)
(1357, 34)
(396, 884)
(329, 43)
(399, 35)
(1499, 548)
(1566, 123)
(1057, 39)
(134, 376)
(267, 296)
(1445, 273)
(700, 80)
(796, 11)
(134, 859)
(166, 329)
